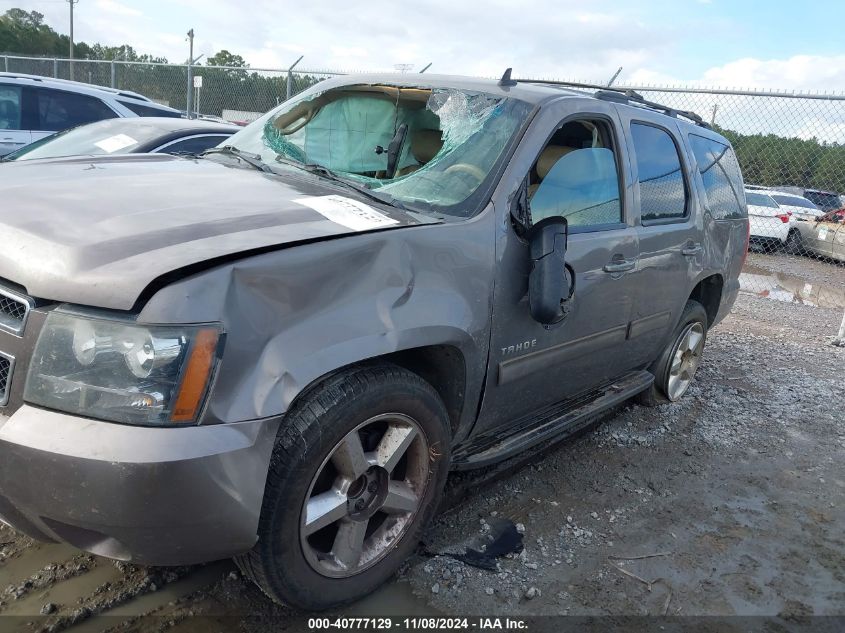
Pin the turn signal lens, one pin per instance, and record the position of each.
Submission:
(197, 374)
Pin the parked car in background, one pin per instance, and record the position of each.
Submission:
(800, 207)
(825, 236)
(824, 200)
(129, 136)
(279, 350)
(769, 223)
(32, 107)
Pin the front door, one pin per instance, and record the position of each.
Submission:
(12, 137)
(570, 165)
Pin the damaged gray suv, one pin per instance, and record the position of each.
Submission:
(277, 351)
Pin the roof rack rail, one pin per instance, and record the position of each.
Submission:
(626, 96)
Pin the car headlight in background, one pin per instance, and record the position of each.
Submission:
(122, 372)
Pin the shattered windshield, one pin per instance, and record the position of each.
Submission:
(429, 149)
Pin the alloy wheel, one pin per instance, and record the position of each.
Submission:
(365, 495)
(685, 359)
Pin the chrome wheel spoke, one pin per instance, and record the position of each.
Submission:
(349, 543)
(324, 509)
(393, 445)
(401, 498)
(695, 339)
(349, 457)
(676, 364)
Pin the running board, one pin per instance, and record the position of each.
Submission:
(552, 425)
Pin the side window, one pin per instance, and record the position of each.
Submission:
(575, 177)
(721, 176)
(193, 145)
(10, 107)
(663, 192)
(146, 110)
(59, 110)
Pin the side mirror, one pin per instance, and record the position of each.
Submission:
(550, 284)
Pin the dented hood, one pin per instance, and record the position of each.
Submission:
(98, 231)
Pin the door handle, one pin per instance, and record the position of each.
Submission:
(692, 249)
(619, 265)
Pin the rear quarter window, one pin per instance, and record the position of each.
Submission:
(59, 110)
(719, 169)
(146, 110)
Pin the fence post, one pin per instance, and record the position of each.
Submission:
(189, 97)
(840, 338)
(290, 78)
(6, 60)
(55, 68)
(113, 75)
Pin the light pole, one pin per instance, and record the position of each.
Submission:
(70, 51)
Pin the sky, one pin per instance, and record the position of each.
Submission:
(777, 44)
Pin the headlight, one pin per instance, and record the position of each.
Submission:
(151, 375)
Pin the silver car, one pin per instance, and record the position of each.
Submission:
(825, 236)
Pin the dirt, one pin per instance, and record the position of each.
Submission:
(731, 501)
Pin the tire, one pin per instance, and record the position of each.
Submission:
(693, 318)
(793, 245)
(296, 563)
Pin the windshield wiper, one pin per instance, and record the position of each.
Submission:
(253, 160)
(328, 174)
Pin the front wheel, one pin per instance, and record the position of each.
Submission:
(357, 472)
(675, 368)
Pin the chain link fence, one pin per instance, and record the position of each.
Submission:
(234, 93)
(791, 148)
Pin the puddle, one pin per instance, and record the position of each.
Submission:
(789, 288)
(65, 593)
(33, 559)
(393, 599)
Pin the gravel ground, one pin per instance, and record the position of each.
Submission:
(731, 501)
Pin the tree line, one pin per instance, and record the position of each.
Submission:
(766, 159)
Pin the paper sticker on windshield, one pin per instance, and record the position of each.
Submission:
(347, 212)
(115, 143)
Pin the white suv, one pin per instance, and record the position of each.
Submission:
(32, 107)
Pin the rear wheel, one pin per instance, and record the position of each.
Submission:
(357, 472)
(793, 243)
(675, 369)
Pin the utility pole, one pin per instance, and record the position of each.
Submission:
(190, 98)
(71, 3)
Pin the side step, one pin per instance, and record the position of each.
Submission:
(547, 427)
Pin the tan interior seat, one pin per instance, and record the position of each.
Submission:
(548, 159)
(425, 144)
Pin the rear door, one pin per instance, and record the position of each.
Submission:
(57, 110)
(13, 134)
(669, 228)
(533, 366)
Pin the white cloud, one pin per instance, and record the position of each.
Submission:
(117, 9)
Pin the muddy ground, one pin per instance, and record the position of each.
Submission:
(735, 496)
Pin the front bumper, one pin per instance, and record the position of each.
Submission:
(154, 496)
